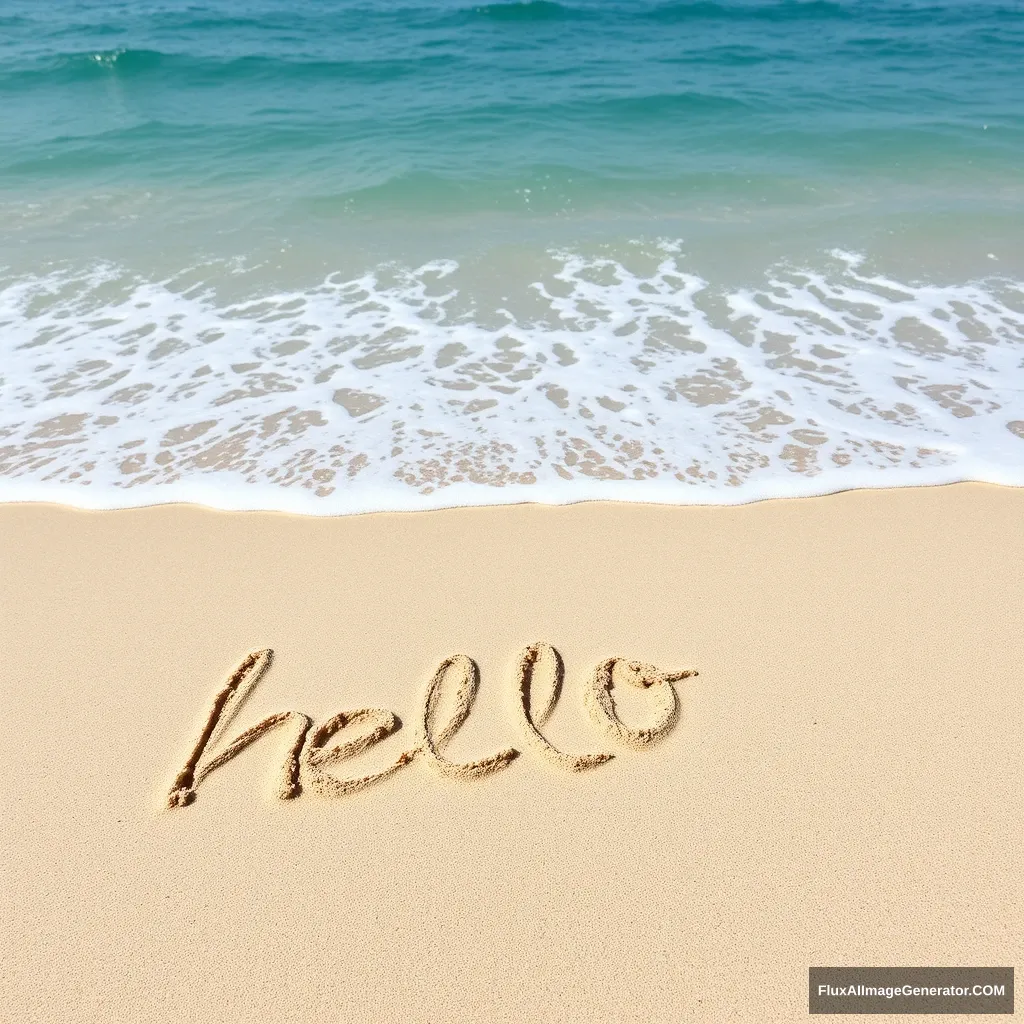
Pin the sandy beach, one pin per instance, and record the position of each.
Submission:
(841, 782)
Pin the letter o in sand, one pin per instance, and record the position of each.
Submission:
(601, 703)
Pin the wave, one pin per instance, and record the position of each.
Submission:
(783, 11)
(526, 11)
(396, 390)
(130, 65)
(121, 59)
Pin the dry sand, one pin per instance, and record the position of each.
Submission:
(842, 783)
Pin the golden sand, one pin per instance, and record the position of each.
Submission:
(841, 784)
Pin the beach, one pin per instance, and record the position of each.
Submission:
(510, 513)
(841, 783)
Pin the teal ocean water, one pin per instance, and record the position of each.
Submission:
(341, 256)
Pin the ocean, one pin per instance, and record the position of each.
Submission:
(345, 257)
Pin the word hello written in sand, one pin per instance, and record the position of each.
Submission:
(309, 758)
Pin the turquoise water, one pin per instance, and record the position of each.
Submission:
(377, 107)
(221, 162)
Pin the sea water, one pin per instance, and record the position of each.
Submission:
(332, 257)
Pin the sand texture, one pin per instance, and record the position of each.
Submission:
(597, 763)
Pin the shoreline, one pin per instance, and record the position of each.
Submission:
(594, 492)
(840, 784)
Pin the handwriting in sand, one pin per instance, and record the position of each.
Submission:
(311, 764)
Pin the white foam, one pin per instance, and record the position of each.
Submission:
(384, 393)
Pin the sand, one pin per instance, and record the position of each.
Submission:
(414, 838)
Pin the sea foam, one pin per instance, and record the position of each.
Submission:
(395, 390)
